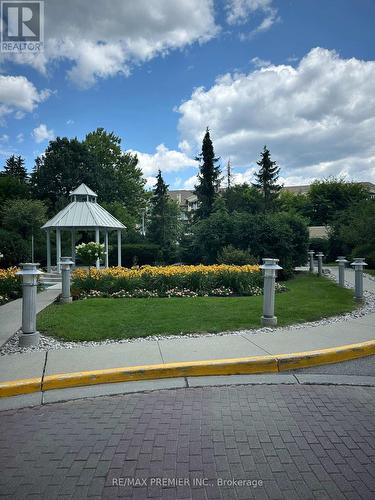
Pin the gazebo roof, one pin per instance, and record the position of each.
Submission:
(83, 214)
(83, 189)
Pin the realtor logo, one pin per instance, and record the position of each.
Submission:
(22, 26)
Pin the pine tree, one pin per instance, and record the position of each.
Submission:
(15, 167)
(163, 225)
(266, 180)
(209, 178)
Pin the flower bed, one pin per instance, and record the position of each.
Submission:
(169, 281)
(10, 285)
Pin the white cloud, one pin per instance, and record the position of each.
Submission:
(167, 160)
(317, 118)
(103, 39)
(4, 138)
(20, 137)
(240, 11)
(150, 182)
(42, 133)
(19, 96)
(190, 182)
(260, 63)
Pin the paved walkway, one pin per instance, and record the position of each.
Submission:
(11, 313)
(277, 442)
(37, 364)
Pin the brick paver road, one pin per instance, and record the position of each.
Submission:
(288, 441)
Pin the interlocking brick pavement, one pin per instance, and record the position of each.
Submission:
(302, 442)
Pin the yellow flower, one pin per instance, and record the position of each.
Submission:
(123, 272)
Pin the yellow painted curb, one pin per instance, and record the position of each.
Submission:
(236, 366)
(297, 360)
(20, 386)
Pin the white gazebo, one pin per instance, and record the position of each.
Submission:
(82, 214)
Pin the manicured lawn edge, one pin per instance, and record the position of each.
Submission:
(309, 298)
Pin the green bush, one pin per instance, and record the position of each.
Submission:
(283, 236)
(231, 255)
(135, 254)
(14, 249)
(145, 253)
(89, 253)
(319, 245)
(353, 233)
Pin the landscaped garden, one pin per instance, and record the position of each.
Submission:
(168, 281)
(308, 298)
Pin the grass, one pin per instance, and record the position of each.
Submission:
(370, 271)
(309, 298)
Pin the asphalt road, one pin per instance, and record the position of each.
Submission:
(275, 441)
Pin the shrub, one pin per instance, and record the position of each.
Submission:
(231, 255)
(142, 253)
(14, 249)
(353, 233)
(90, 252)
(283, 236)
(319, 245)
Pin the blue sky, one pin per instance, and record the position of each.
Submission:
(297, 75)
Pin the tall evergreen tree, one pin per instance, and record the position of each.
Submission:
(266, 180)
(15, 167)
(209, 178)
(163, 225)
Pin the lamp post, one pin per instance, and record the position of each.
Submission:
(29, 336)
(66, 263)
(341, 262)
(269, 267)
(311, 260)
(320, 256)
(358, 264)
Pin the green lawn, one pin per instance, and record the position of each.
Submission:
(309, 298)
(370, 271)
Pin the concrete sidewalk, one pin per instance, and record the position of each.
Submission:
(150, 352)
(283, 341)
(11, 313)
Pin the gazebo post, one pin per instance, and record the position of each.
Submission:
(58, 249)
(97, 240)
(106, 249)
(119, 247)
(48, 232)
(73, 235)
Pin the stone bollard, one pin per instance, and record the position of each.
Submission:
(66, 263)
(341, 262)
(311, 260)
(320, 256)
(29, 336)
(358, 269)
(269, 267)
